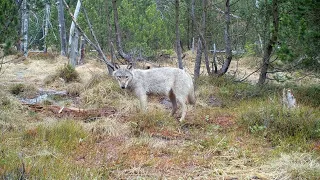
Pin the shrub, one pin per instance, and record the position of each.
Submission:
(68, 73)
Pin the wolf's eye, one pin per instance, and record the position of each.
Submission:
(126, 77)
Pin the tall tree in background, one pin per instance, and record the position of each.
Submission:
(227, 39)
(9, 21)
(73, 43)
(203, 35)
(178, 44)
(272, 41)
(24, 27)
(46, 23)
(192, 23)
(118, 34)
(62, 28)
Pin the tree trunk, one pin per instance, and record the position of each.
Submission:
(62, 27)
(192, 23)
(82, 50)
(24, 27)
(227, 40)
(118, 35)
(214, 59)
(198, 60)
(74, 53)
(46, 24)
(109, 29)
(178, 45)
(96, 47)
(271, 43)
(204, 41)
(72, 27)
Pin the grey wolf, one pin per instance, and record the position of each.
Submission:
(172, 82)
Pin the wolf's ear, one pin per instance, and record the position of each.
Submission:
(130, 66)
(116, 66)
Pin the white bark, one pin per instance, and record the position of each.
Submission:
(74, 53)
(24, 27)
(72, 27)
(46, 24)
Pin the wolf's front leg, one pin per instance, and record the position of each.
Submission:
(143, 102)
(140, 93)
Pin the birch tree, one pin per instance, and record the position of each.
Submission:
(46, 23)
(62, 27)
(72, 27)
(24, 27)
(74, 39)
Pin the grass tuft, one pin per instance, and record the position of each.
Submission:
(69, 74)
(278, 124)
(24, 91)
(294, 166)
(63, 136)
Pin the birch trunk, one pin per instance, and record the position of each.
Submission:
(24, 27)
(72, 27)
(46, 24)
(62, 27)
(178, 45)
(74, 53)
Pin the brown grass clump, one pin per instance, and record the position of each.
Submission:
(74, 89)
(42, 56)
(108, 127)
(101, 91)
(23, 90)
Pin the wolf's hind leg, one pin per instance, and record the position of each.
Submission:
(173, 100)
(182, 102)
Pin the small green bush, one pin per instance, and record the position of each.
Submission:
(69, 74)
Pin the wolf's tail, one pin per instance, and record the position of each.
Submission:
(191, 96)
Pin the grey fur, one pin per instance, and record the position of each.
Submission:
(172, 82)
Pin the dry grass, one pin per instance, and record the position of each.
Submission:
(294, 166)
(129, 144)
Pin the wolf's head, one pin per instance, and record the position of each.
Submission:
(123, 75)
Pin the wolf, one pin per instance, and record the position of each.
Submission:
(172, 82)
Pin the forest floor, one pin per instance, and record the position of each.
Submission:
(91, 129)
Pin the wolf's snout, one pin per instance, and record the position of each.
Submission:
(123, 87)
